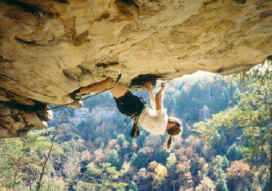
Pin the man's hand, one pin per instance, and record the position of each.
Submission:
(148, 86)
(163, 85)
(159, 96)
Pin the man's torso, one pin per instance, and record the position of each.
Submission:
(154, 121)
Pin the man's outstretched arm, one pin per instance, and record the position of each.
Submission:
(159, 97)
(148, 87)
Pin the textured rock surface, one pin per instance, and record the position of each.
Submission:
(15, 121)
(50, 48)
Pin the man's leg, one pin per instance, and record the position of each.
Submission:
(118, 91)
(155, 100)
(97, 87)
(128, 100)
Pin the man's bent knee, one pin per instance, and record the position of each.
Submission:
(118, 91)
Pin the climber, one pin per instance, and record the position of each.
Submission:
(154, 119)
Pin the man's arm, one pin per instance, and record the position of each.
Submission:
(159, 97)
(152, 99)
(148, 87)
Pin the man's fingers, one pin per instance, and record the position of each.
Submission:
(148, 85)
(163, 84)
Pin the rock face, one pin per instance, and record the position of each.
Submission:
(16, 119)
(50, 48)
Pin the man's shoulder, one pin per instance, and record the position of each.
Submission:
(153, 112)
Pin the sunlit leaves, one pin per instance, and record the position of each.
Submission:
(238, 169)
(206, 185)
(21, 158)
(251, 116)
(160, 173)
(103, 176)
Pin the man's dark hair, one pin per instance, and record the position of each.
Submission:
(173, 130)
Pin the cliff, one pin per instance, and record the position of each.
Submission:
(50, 48)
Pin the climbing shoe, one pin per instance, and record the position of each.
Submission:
(75, 95)
(76, 104)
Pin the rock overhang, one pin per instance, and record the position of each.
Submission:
(50, 48)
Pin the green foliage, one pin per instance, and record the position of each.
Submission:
(132, 186)
(249, 121)
(221, 186)
(220, 164)
(94, 170)
(140, 160)
(171, 163)
(21, 158)
(161, 156)
(101, 177)
(234, 153)
(95, 151)
(114, 159)
(121, 139)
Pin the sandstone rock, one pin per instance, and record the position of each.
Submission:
(16, 122)
(50, 48)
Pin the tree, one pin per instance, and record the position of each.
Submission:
(220, 162)
(159, 175)
(234, 153)
(206, 185)
(20, 159)
(238, 169)
(102, 176)
(158, 172)
(161, 155)
(221, 185)
(218, 166)
(39, 183)
(239, 175)
(121, 139)
(141, 159)
(114, 159)
(250, 121)
(132, 186)
(171, 164)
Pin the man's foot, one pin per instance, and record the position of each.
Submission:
(268, 60)
(76, 104)
(46, 114)
(163, 85)
(75, 95)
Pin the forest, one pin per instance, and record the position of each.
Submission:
(225, 144)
